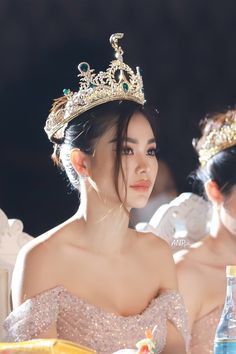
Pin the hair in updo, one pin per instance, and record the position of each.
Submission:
(221, 168)
(84, 131)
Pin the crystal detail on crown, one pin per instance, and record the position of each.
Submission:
(118, 82)
(219, 139)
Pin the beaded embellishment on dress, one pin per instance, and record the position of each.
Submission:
(81, 322)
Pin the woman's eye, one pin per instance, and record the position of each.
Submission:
(152, 152)
(127, 151)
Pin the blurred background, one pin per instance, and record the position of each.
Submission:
(185, 48)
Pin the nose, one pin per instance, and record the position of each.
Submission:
(142, 165)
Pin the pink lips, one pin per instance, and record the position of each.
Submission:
(142, 185)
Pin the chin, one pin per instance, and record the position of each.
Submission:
(139, 204)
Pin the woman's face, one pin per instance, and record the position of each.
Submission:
(228, 212)
(138, 161)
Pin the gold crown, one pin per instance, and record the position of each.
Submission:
(118, 82)
(219, 139)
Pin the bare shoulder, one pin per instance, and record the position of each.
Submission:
(37, 266)
(40, 250)
(187, 264)
(159, 254)
(156, 244)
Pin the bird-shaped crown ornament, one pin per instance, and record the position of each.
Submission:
(219, 138)
(118, 82)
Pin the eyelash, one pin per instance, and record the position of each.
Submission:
(151, 152)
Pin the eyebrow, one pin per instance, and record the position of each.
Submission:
(133, 141)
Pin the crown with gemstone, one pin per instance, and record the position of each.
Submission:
(219, 139)
(118, 82)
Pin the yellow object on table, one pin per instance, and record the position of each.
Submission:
(4, 298)
(44, 346)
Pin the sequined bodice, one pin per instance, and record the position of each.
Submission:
(78, 321)
(203, 332)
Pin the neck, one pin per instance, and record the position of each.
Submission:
(224, 241)
(105, 223)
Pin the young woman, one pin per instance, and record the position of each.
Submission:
(201, 269)
(92, 280)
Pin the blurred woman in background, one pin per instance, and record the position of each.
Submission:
(201, 268)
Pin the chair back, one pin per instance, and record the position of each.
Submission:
(12, 238)
(183, 221)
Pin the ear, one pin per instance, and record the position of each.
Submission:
(213, 192)
(80, 162)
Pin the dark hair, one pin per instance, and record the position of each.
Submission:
(83, 132)
(221, 167)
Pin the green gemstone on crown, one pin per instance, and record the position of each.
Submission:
(66, 91)
(84, 67)
(95, 89)
(125, 87)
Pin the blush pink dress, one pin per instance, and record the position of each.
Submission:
(81, 322)
(203, 332)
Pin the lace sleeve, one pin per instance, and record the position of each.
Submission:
(33, 317)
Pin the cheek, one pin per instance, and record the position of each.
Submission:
(127, 167)
(155, 167)
(124, 178)
(103, 176)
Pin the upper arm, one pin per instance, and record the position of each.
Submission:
(33, 272)
(166, 266)
(175, 342)
(189, 283)
(33, 277)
